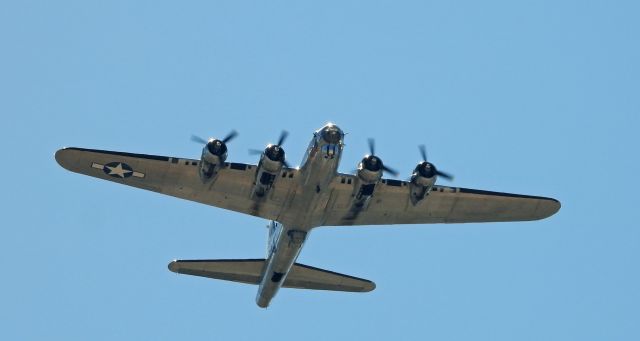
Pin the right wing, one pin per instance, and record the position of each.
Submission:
(391, 204)
(249, 271)
(179, 177)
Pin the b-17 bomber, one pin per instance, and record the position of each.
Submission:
(295, 200)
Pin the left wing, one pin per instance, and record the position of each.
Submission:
(179, 177)
(391, 204)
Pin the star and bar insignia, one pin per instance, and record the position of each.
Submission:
(117, 170)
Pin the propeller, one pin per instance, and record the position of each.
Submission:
(372, 150)
(215, 146)
(283, 137)
(274, 148)
(423, 153)
(232, 134)
(198, 139)
(372, 146)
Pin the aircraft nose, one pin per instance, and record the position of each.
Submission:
(332, 133)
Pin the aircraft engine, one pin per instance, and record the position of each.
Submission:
(213, 156)
(214, 153)
(369, 173)
(270, 165)
(370, 169)
(423, 178)
(272, 158)
(425, 175)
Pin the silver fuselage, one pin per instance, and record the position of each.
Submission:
(319, 168)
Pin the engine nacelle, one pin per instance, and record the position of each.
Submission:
(369, 174)
(270, 165)
(213, 156)
(423, 178)
(370, 169)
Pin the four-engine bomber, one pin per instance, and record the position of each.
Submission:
(314, 194)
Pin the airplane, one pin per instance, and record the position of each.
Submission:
(297, 200)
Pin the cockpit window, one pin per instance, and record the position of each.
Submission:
(330, 150)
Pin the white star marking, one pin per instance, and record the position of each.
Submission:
(118, 170)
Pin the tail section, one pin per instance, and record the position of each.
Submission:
(249, 271)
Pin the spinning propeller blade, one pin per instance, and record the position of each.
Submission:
(372, 150)
(198, 139)
(283, 137)
(229, 137)
(232, 135)
(372, 146)
(445, 175)
(423, 153)
(390, 170)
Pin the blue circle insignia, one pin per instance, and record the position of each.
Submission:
(118, 170)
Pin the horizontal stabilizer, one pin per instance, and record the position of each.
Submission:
(306, 277)
(250, 271)
(236, 270)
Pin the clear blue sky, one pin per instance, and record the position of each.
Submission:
(533, 97)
